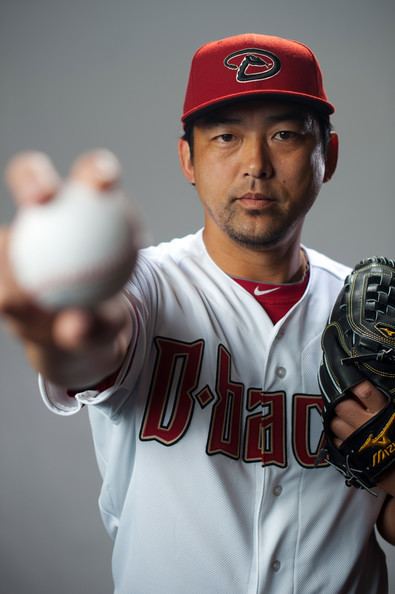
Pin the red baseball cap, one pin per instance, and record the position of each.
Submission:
(251, 65)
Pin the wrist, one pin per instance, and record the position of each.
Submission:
(74, 370)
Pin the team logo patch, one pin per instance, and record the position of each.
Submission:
(253, 64)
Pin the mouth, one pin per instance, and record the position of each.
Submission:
(255, 201)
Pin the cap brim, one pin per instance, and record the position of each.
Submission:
(319, 105)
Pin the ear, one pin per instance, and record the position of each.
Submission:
(332, 153)
(184, 155)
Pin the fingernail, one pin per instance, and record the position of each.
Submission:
(107, 165)
(46, 175)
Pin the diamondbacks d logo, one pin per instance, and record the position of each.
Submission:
(253, 64)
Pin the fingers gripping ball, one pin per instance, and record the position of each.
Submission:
(77, 249)
(359, 344)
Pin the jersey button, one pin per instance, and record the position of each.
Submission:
(277, 490)
(276, 565)
(281, 372)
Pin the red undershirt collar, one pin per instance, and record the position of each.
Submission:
(276, 299)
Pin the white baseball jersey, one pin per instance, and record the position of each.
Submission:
(207, 442)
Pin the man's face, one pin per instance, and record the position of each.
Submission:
(258, 168)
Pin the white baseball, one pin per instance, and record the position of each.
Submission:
(77, 249)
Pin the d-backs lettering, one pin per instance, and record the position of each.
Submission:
(259, 436)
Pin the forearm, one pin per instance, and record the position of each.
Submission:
(84, 366)
(75, 370)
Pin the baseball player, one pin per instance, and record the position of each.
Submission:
(201, 378)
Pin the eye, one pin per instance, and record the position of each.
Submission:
(286, 135)
(225, 138)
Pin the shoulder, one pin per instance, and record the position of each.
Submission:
(325, 266)
(171, 265)
(175, 250)
(326, 277)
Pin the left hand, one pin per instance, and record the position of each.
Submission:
(364, 402)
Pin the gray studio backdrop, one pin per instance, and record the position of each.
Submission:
(81, 74)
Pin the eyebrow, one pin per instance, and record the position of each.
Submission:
(289, 115)
(217, 120)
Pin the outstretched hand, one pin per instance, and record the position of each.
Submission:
(53, 339)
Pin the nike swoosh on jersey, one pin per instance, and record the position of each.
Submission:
(258, 293)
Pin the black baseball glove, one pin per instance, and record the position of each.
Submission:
(359, 344)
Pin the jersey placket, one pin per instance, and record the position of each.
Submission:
(276, 538)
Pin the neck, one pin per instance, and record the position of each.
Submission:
(284, 263)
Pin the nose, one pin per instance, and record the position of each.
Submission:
(257, 162)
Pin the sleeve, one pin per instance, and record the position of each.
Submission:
(139, 293)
